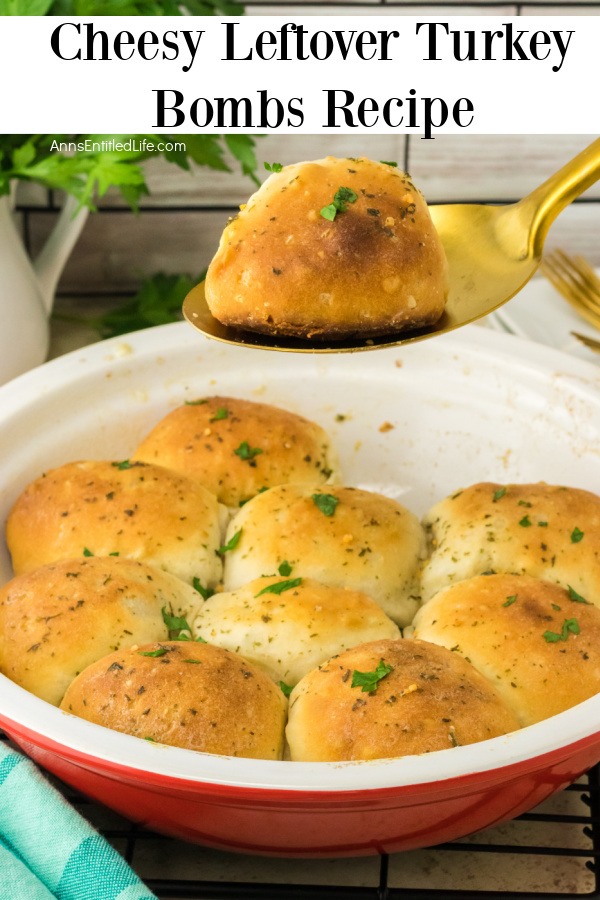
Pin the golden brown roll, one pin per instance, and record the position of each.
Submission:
(330, 249)
(185, 694)
(57, 620)
(340, 536)
(131, 509)
(390, 699)
(236, 448)
(542, 530)
(288, 625)
(536, 642)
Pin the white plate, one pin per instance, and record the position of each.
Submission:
(539, 313)
(469, 406)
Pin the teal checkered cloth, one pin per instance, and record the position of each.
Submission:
(47, 850)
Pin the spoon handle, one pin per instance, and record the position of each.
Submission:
(545, 203)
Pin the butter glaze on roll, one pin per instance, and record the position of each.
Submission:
(103, 508)
(377, 268)
(205, 439)
(340, 536)
(184, 694)
(432, 699)
(546, 531)
(537, 643)
(61, 618)
(289, 625)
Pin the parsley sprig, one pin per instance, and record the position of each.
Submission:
(569, 626)
(369, 681)
(342, 197)
(177, 626)
(327, 503)
(205, 592)
(246, 452)
(279, 587)
(231, 543)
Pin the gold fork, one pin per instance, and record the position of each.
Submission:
(576, 281)
(590, 342)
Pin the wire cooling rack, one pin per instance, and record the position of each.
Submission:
(553, 851)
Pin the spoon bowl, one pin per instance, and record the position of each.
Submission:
(492, 252)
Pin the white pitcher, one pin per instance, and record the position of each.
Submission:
(27, 287)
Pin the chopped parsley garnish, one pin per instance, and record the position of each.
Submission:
(204, 592)
(246, 452)
(570, 626)
(200, 640)
(196, 662)
(273, 167)
(231, 544)
(510, 600)
(159, 652)
(525, 522)
(279, 587)
(177, 626)
(123, 464)
(327, 503)
(87, 551)
(286, 689)
(285, 569)
(576, 535)
(343, 196)
(386, 162)
(577, 598)
(369, 681)
(199, 402)
(499, 494)
(221, 413)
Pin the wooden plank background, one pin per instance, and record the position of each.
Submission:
(179, 226)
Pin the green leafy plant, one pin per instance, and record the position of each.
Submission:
(119, 8)
(88, 174)
(157, 302)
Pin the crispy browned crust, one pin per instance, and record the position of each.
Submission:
(135, 510)
(546, 531)
(512, 629)
(370, 543)
(200, 439)
(186, 694)
(431, 700)
(60, 618)
(377, 268)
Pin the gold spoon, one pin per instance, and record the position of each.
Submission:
(492, 253)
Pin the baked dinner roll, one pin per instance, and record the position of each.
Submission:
(536, 642)
(57, 620)
(390, 699)
(340, 536)
(542, 530)
(288, 625)
(130, 509)
(236, 448)
(185, 694)
(331, 248)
